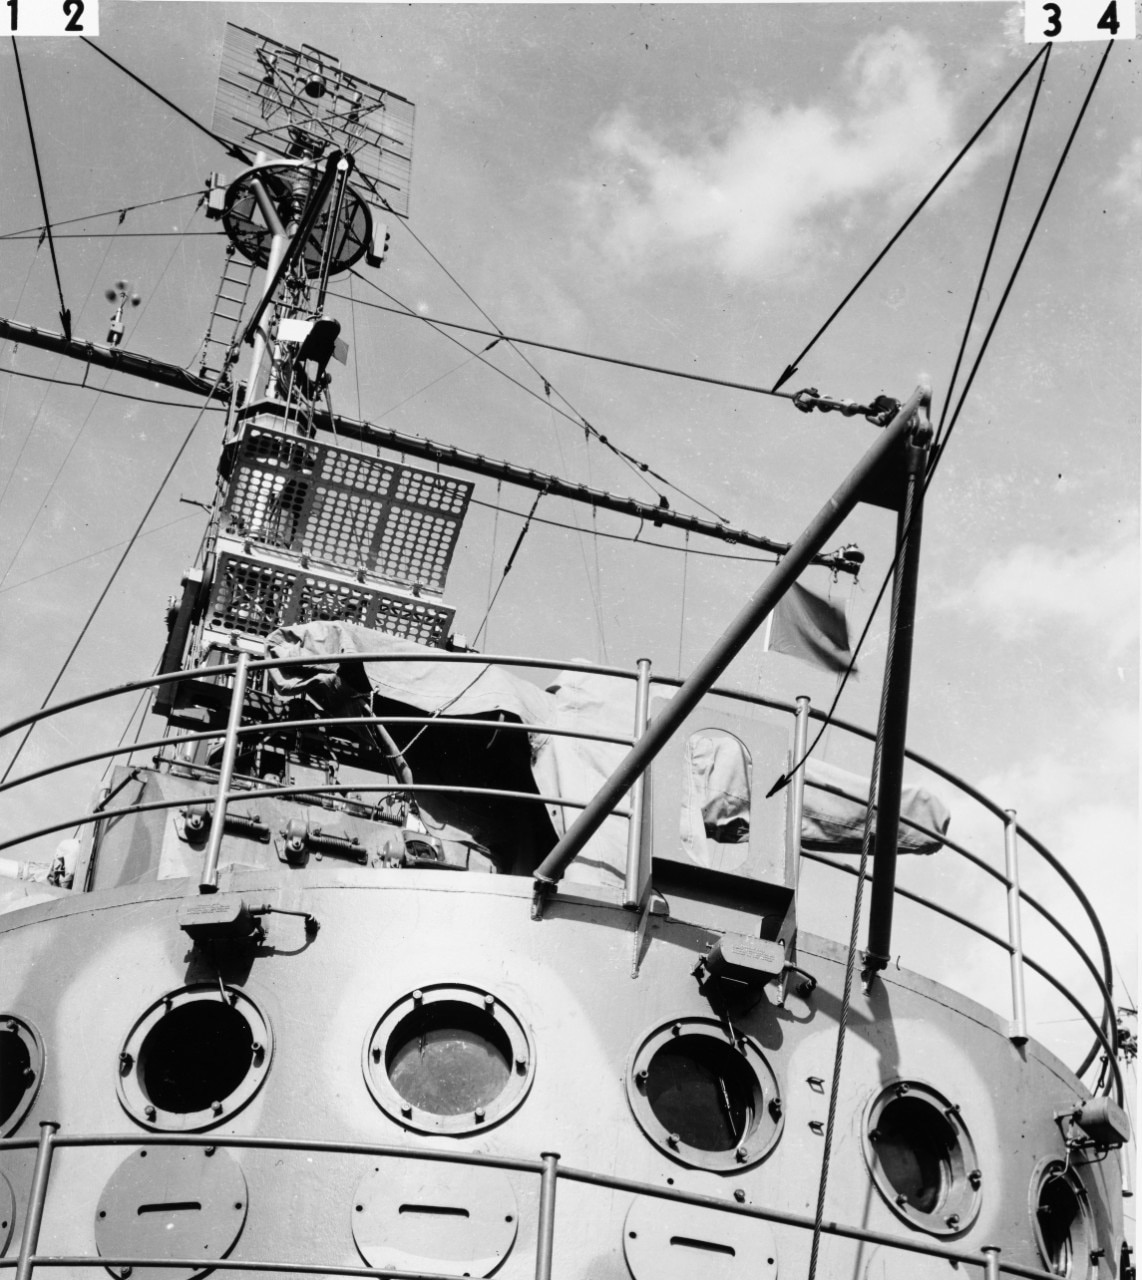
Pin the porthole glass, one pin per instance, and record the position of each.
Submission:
(448, 1058)
(1061, 1220)
(21, 1066)
(921, 1158)
(194, 1058)
(705, 1100)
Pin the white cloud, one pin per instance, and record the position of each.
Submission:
(1126, 185)
(754, 196)
(1034, 586)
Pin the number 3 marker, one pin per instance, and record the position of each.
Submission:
(1059, 20)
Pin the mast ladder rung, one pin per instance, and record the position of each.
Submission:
(222, 329)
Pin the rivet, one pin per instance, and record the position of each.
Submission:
(149, 1111)
(902, 1088)
(739, 1196)
(216, 1107)
(672, 1140)
(676, 1029)
(417, 997)
(405, 1110)
(237, 1204)
(209, 1151)
(360, 1208)
(489, 1001)
(480, 1113)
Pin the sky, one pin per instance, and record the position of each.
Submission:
(690, 186)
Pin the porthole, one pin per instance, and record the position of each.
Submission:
(448, 1058)
(704, 1099)
(921, 1158)
(194, 1058)
(21, 1068)
(1061, 1220)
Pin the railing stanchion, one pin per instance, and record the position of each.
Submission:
(635, 873)
(30, 1238)
(991, 1261)
(1018, 1033)
(545, 1232)
(209, 882)
(796, 811)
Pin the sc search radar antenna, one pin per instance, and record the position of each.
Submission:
(300, 105)
(328, 146)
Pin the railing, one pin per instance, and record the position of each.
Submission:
(1104, 1026)
(987, 1262)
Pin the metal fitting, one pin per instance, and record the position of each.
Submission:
(126, 1062)
(479, 1114)
(775, 1108)
(489, 1001)
(953, 1220)
(672, 1140)
(406, 1109)
(739, 1196)
(149, 1111)
(741, 1155)
(216, 1107)
(975, 1178)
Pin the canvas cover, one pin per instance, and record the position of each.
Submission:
(573, 769)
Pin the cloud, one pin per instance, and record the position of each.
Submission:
(1126, 185)
(756, 197)
(1034, 587)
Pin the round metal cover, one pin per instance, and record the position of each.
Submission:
(449, 1058)
(194, 1058)
(288, 184)
(171, 1202)
(429, 1215)
(922, 1158)
(704, 1099)
(668, 1240)
(7, 1213)
(21, 1069)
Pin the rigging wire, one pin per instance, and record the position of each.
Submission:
(991, 248)
(574, 351)
(229, 147)
(682, 605)
(91, 555)
(507, 568)
(64, 313)
(548, 388)
(104, 391)
(114, 574)
(642, 469)
(937, 454)
(113, 235)
(122, 211)
(480, 355)
(791, 368)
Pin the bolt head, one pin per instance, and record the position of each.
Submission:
(739, 1196)
(216, 1107)
(489, 1001)
(480, 1113)
(406, 1109)
(741, 1155)
(676, 1029)
(953, 1219)
(417, 997)
(149, 1111)
(975, 1178)
(902, 1200)
(672, 1140)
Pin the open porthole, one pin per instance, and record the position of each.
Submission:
(194, 1058)
(921, 1158)
(449, 1058)
(705, 1100)
(1061, 1220)
(21, 1068)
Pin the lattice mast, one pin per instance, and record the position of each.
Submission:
(302, 528)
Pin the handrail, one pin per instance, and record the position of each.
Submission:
(547, 1168)
(1104, 983)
